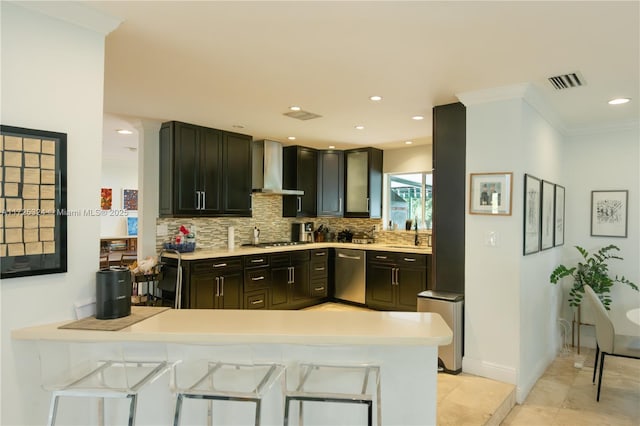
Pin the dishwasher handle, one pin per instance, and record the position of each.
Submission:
(345, 256)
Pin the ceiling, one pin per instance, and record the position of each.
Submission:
(230, 64)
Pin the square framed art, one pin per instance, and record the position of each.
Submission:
(490, 193)
(609, 213)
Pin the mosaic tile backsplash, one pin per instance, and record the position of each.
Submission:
(212, 232)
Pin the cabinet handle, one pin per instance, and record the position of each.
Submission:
(293, 275)
(299, 204)
(409, 259)
(397, 278)
(197, 200)
(257, 260)
(219, 265)
(217, 286)
(257, 302)
(221, 286)
(393, 276)
(344, 256)
(381, 257)
(204, 200)
(340, 204)
(320, 269)
(318, 288)
(257, 278)
(321, 253)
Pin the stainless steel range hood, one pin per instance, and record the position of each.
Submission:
(267, 169)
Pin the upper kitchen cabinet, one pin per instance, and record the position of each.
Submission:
(203, 171)
(363, 183)
(300, 172)
(449, 203)
(331, 183)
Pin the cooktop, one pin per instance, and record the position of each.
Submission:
(277, 244)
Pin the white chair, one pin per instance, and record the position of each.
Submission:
(607, 341)
(315, 385)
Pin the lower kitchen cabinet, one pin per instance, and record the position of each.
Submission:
(216, 284)
(290, 287)
(395, 279)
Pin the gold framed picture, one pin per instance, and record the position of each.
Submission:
(490, 193)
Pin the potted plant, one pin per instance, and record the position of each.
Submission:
(592, 271)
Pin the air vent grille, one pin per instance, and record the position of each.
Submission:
(302, 115)
(567, 81)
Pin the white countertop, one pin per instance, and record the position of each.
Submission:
(265, 326)
(200, 254)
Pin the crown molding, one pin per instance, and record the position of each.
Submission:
(74, 13)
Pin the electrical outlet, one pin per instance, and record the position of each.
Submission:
(162, 230)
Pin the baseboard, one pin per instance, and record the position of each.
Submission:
(489, 370)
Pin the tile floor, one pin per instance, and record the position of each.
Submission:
(563, 396)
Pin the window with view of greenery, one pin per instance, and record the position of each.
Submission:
(408, 198)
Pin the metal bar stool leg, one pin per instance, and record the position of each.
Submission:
(132, 409)
(53, 409)
(178, 411)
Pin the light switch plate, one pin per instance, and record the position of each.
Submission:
(491, 239)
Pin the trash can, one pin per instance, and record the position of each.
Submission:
(450, 307)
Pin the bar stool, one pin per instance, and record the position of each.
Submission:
(110, 379)
(319, 374)
(222, 380)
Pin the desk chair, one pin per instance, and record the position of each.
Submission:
(607, 341)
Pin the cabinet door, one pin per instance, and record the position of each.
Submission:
(330, 183)
(165, 182)
(231, 291)
(204, 291)
(280, 276)
(357, 183)
(186, 151)
(210, 167)
(411, 281)
(237, 174)
(380, 290)
(300, 171)
(300, 288)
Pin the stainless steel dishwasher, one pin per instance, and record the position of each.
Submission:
(350, 277)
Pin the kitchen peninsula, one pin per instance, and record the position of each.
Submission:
(403, 343)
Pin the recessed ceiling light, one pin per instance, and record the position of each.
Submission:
(408, 142)
(295, 108)
(417, 117)
(124, 131)
(332, 147)
(375, 98)
(619, 101)
(359, 127)
(291, 138)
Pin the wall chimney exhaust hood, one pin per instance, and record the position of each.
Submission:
(267, 169)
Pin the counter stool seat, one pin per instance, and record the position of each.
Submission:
(327, 394)
(209, 387)
(110, 379)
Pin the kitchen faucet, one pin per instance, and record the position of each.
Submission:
(416, 240)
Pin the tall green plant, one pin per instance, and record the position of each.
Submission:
(593, 271)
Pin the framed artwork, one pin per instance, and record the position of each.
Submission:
(609, 213)
(546, 215)
(33, 200)
(490, 193)
(106, 198)
(531, 214)
(130, 199)
(558, 216)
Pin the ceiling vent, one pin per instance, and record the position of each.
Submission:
(302, 115)
(567, 81)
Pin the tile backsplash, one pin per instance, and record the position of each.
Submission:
(211, 232)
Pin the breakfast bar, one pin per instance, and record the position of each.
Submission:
(404, 344)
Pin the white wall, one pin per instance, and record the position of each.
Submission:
(509, 315)
(408, 160)
(118, 174)
(604, 161)
(52, 79)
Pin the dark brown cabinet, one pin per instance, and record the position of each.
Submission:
(299, 171)
(203, 171)
(331, 183)
(257, 281)
(363, 183)
(216, 284)
(290, 280)
(319, 273)
(449, 179)
(395, 279)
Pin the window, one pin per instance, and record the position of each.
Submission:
(408, 197)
